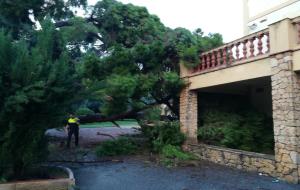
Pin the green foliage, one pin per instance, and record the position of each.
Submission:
(151, 115)
(248, 130)
(126, 24)
(172, 156)
(115, 45)
(171, 151)
(137, 63)
(84, 111)
(130, 62)
(36, 87)
(190, 56)
(121, 146)
(163, 133)
(14, 15)
(120, 88)
(190, 45)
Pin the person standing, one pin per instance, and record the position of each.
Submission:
(73, 128)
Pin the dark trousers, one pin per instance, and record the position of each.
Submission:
(73, 130)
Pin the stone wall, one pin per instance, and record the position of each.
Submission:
(189, 114)
(55, 184)
(248, 161)
(286, 116)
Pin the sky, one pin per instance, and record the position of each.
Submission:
(212, 16)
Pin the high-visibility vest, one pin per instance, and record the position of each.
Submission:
(73, 120)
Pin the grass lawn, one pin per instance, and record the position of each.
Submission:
(122, 123)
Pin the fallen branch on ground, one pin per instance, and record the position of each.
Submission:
(108, 135)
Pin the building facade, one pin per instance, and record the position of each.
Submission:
(259, 14)
(267, 58)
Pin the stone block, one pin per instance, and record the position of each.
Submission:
(8, 186)
(295, 156)
(285, 158)
(44, 185)
(290, 179)
(274, 63)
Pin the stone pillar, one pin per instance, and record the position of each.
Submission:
(189, 114)
(286, 116)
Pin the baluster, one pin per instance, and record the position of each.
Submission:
(203, 64)
(195, 69)
(208, 61)
(219, 57)
(268, 42)
(230, 54)
(259, 44)
(213, 59)
(199, 65)
(225, 55)
(237, 51)
(245, 49)
(252, 46)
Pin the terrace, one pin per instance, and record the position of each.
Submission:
(245, 58)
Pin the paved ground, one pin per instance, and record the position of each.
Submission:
(135, 174)
(140, 174)
(91, 136)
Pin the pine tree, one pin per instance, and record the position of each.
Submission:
(37, 85)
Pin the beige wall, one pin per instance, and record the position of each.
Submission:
(282, 36)
(296, 60)
(255, 69)
(258, 14)
(257, 7)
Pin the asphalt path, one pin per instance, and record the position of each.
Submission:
(91, 136)
(140, 175)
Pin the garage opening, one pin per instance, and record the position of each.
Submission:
(237, 115)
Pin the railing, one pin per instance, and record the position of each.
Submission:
(235, 52)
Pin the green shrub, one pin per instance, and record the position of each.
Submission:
(172, 156)
(163, 133)
(248, 130)
(84, 111)
(121, 146)
(170, 151)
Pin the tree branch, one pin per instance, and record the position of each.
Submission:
(65, 23)
(116, 124)
(107, 135)
(165, 100)
(132, 114)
